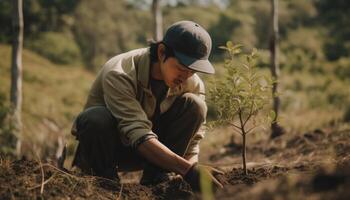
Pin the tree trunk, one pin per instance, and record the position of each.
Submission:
(244, 153)
(157, 21)
(276, 129)
(16, 72)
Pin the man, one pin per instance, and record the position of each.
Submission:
(145, 110)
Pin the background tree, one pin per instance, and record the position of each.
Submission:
(277, 130)
(157, 20)
(16, 72)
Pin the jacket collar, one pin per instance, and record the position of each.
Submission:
(143, 67)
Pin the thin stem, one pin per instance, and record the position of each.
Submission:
(244, 154)
(120, 192)
(234, 125)
(250, 114)
(240, 119)
(243, 142)
(45, 182)
(42, 174)
(237, 131)
(248, 131)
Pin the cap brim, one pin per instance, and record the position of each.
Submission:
(195, 64)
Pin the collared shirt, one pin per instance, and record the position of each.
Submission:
(123, 86)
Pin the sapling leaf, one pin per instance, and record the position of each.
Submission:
(272, 115)
(229, 44)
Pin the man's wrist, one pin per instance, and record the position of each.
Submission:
(193, 158)
(189, 171)
(182, 166)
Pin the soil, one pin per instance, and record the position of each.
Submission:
(313, 165)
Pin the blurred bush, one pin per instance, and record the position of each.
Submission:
(342, 69)
(347, 114)
(105, 28)
(302, 49)
(7, 139)
(338, 95)
(335, 16)
(3, 109)
(58, 47)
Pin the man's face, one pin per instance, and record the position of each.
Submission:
(174, 73)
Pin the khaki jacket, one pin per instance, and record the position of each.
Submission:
(122, 85)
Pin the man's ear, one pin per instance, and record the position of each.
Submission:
(161, 52)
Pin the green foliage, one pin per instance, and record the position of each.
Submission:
(347, 114)
(3, 110)
(39, 16)
(228, 21)
(335, 15)
(105, 28)
(7, 142)
(53, 96)
(338, 95)
(302, 50)
(57, 47)
(7, 139)
(243, 92)
(5, 21)
(342, 69)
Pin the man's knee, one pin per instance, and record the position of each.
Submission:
(195, 105)
(97, 118)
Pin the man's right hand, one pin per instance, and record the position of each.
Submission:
(194, 174)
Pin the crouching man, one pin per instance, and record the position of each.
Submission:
(145, 110)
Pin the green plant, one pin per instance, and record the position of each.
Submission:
(58, 47)
(3, 109)
(346, 116)
(7, 139)
(242, 93)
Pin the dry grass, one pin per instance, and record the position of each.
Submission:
(52, 96)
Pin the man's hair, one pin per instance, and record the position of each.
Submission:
(154, 51)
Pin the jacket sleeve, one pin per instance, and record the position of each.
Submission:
(193, 148)
(120, 97)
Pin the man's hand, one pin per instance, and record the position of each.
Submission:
(194, 174)
(160, 155)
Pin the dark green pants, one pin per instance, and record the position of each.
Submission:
(100, 151)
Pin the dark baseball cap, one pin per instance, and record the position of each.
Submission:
(191, 45)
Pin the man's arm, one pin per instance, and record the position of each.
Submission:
(192, 158)
(160, 155)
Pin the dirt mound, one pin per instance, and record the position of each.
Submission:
(313, 165)
(237, 176)
(325, 184)
(27, 179)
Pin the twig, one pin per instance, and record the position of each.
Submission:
(42, 174)
(48, 180)
(62, 157)
(42, 178)
(49, 165)
(250, 115)
(120, 192)
(240, 119)
(54, 167)
(237, 127)
(248, 131)
(234, 125)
